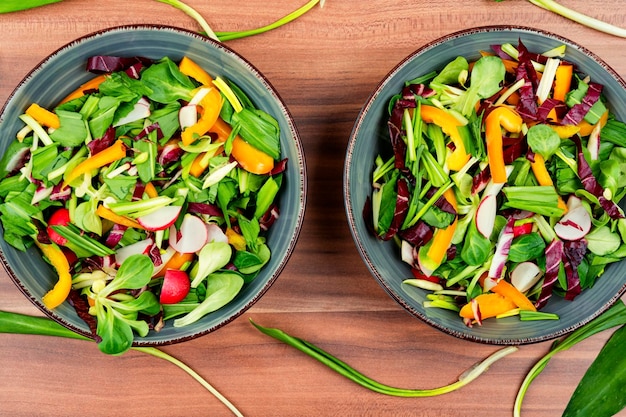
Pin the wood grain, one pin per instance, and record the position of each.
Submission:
(324, 66)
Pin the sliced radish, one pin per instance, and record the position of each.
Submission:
(165, 258)
(215, 233)
(176, 286)
(61, 217)
(573, 202)
(188, 116)
(200, 95)
(574, 225)
(141, 110)
(406, 250)
(142, 247)
(525, 275)
(160, 219)
(191, 237)
(486, 215)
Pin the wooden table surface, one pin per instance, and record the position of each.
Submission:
(324, 65)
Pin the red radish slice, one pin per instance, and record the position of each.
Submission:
(187, 116)
(61, 217)
(215, 233)
(141, 110)
(142, 247)
(160, 219)
(191, 237)
(574, 225)
(176, 286)
(525, 275)
(407, 253)
(165, 258)
(486, 215)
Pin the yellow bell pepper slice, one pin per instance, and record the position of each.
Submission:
(59, 293)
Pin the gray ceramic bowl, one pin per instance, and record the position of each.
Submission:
(64, 70)
(383, 259)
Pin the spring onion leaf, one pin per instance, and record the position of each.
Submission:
(347, 371)
(615, 316)
(16, 323)
(578, 17)
(8, 6)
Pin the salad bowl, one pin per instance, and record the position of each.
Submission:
(64, 71)
(370, 135)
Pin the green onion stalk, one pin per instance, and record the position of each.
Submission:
(347, 371)
(578, 17)
(8, 6)
(17, 323)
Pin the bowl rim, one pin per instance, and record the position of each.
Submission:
(352, 215)
(294, 137)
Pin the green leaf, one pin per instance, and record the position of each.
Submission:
(116, 335)
(8, 6)
(543, 140)
(213, 256)
(527, 247)
(134, 273)
(450, 73)
(222, 288)
(259, 129)
(602, 390)
(72, 131)
(166, 83)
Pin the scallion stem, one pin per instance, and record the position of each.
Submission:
(17, 323)
(347, 371)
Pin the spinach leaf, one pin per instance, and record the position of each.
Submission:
(166, 83)
(485, 80)
(476, 247)
(72, 131)
(526, 247)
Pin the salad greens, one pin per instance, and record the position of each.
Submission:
(498, 198)
(149, 191)
(17, 323)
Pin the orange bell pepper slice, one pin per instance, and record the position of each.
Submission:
(108, 214)
(190, 68)
(500, 117)
(442, 238)
(449, 124)
(542, 175)
(43, 116)
(111, 154)
(489, 305)
(92, 84)
(250, 158)
(562, 81)
(177, 261)
(507, 290)
(59, 293)
(586, 128)
(211, 105)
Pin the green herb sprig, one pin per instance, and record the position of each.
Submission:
(615, 316)
(17, 323)
(347, 371)
(578, 17)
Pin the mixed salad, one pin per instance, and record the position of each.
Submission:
(502, 183)
(149, 189)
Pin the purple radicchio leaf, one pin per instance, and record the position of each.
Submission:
(115, 235)
(573, 254)
(501, 252)
(398, 145)
(554, 254)
(402, 206)
(204, 208)
(97, 145)
(269, 217)
(591, 184)
(547, 106)
(577, 113)
(418, 235)
(279, 167)
(103, 64)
